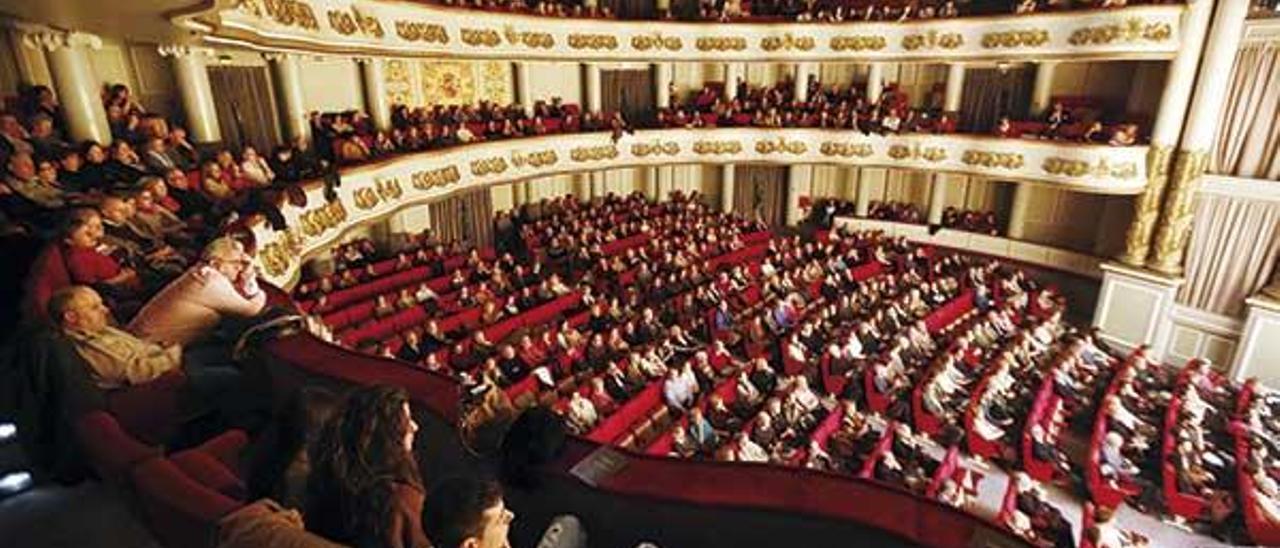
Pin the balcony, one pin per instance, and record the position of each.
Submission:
(413, 29)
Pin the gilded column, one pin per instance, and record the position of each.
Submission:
(1179, 82)
(1173, 230)
(286, 71)
(375, 92)
(198, 104)
(75, 82)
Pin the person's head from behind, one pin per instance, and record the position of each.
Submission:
(78, 308)
(466, 512)
(295, 427)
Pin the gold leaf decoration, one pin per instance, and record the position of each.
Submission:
(932, 40)
(593, 41)
(1025, 38)
(534, 159)
(717, 147)
(1080, 168)
(846, 150)
(982, 158)
(787, 42)
(858, 42)
(594, 153)
(488, 166)
(720, 43)
(431, 178)
(656, 148)
(780, 146)
(481, 37)
(656, 41)
(1130, 31)
(428, 33)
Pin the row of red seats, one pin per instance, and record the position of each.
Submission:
(1262, 529)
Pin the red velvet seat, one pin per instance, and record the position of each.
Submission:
(47, 275)
(178, 510)
(885, 443)
(111, 451)
(216, 463)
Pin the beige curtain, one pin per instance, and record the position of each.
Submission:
(1234, 246)
(629, 92)
(466, 217)
(1248, 142)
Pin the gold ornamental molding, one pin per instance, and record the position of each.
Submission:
(488, 166)
(365, 198)
(431, 178)
(593, 41)
(1079, 168)
(481, 37)
(593, 153)
(1131, 30)
(1146, 208)
(932, 40)
(858, 42)
(787, 42)
(846, 150)
(656, 148)
(422, 30)
(717, 147)
(287, 13)
(909, 152)
(542, 158)
(720, 43)
(1173, 231)
(388, 189)
(1004, 160)
(781, 145)
(656, 41)
(429, 33)
(1026, 38)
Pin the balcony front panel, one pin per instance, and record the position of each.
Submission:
(375, 190)
(412, 29)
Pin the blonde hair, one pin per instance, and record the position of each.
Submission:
(224, 248)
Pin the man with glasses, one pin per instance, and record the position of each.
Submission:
(221, 286)
(468, 512)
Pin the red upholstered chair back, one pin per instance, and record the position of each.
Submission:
(48, 274)
(111, 451)
(179, 511)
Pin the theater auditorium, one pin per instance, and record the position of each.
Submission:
(639, 273)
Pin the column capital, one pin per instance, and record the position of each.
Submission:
(184, 50)
(280, 55)
(53, 39)
(365, 59)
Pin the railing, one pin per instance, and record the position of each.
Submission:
(373, 191)
(408, 29)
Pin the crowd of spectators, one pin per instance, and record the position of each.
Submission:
(970, 220)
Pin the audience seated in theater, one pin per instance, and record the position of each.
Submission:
(364, 487)
(469, 512)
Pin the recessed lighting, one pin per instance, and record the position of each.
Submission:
(14, 483)
(8, 431)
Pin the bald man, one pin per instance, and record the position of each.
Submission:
(116, 358)
(221, 285)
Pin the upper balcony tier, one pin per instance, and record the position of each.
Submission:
(408, 29)
(372, 191)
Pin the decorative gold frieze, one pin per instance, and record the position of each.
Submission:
(365, 198)
(1025, 38)
(593, 41)
(535, 40)
(415, 31)
(787, 42)
(481, 37)
(347, 23)
(1131, 30)
(928, 154)
(488, 166)
(388, 189)
(290, 13)
(781, 145)
(431, 178)
(594, 153)
(846, 150)
(1079, 168)
(932, 40)
(538, 159)
(982, 158)
(275, 257)
(656, 148)
(720, 43)
(858, 42)
(717, 147)
(315, 221)
(656, 41)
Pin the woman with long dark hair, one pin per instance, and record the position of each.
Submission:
(365, 489)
